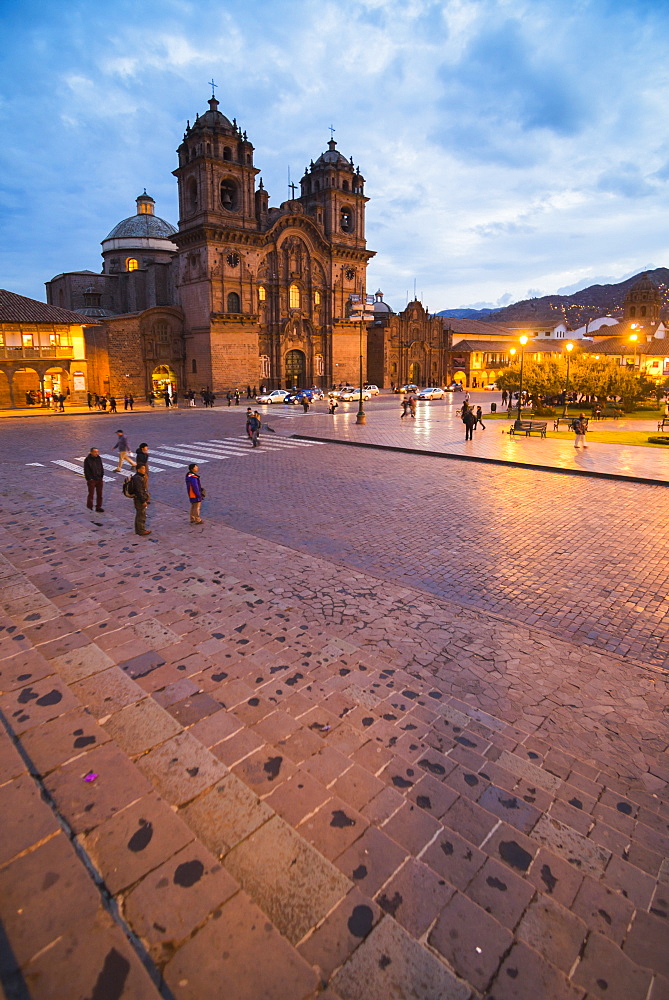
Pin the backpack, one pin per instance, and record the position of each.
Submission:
(576, 425)
(128, 487)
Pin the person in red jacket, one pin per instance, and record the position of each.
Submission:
(195, 493)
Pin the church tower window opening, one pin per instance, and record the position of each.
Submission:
(317, 298)
(227, 153)
(234, 305)
(346, 220)
(229, 195)
(131, 264)
(192, 195)
(294, 297)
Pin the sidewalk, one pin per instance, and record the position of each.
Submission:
(438, 431)
(239, 774)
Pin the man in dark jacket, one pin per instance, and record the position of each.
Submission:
(94, 474)
(195, 494)
(141, 498)
(469, 420)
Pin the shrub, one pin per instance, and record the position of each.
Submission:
(543, 411)
(658, 439)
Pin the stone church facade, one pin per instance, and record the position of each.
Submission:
(241, 293)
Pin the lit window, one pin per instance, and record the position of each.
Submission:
(27, 339)
(294, 297)
(317, 298)
(131, 264)
(262, 294)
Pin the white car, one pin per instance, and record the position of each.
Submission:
(374, 389)
(351, 395)
(431, 394)
(275, 396)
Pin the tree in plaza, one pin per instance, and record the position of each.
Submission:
(540, 378)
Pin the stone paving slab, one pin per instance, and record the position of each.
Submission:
(451, 802)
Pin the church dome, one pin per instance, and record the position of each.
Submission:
(333, 157)
(213, 119)
(143, 226)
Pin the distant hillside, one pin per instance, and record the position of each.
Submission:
(576, 309)
(465, 313)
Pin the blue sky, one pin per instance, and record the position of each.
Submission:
(510, 147)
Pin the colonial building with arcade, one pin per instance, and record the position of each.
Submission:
(240, 293)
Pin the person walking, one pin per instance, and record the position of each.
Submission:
(195, 492)
(123, 451)
(229, 398)
(412, 407)
(504, 397)
(479, 417)
(579, 426)
(166, 397)
(141, 498)
(237, 397)
(469, 420)
(248, 392)
(405, 407)
(90, 401)
(255, 426)
(143, 456)
(112, 404)
(125, 401)
(305, 403)
(152, 398)
(249, 414)
(131, 401)
(254, 392)
(333, 407)
(94, 473)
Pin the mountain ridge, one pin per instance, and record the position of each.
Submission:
(575, 309)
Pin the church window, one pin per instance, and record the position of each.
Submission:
(161, 331)
(131, 264)
(262, 293)
(393, 368)
(208, 148)
(229, 195)
(318, 185)
(248, 157)
(194, 366)
(643, 310)
(345, 186)
(192, 195)
(227, 153)
(346, 220)
(632, 310)
(265, 368)
(234, 305)
(294, 297)
(317, 298)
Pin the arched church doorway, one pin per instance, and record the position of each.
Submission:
(27, 389)
(5, 397)
(295, 369)
(414, 373)
(163, 378)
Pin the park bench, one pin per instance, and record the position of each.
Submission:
(609, 412)
(567, 421)
(661, 424)
(528, 427)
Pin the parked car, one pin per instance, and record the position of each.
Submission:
(454, 387)
(374, 389)
(316, 393)
(409, 387)
(431, 394)
(275, 396)
(350, 395)
(334, 393)
(493, 386)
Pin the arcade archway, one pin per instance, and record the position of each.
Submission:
(27, 388)
(295, 369)
(414, 373)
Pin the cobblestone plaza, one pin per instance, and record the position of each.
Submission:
(387, 725)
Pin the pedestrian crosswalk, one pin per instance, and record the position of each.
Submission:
(179, 455)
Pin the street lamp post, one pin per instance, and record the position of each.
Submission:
(634, 337)
(523, 341)
(569, 348)
(360, 309)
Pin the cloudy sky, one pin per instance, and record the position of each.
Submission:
(510, 147)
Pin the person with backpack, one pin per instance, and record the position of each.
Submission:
(254, 425)
(579, 425)
(137, 487)
(94, 473)
(469, 420)
(195, 491)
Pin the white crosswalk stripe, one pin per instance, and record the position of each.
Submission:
(77, 468)
(180, 455)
